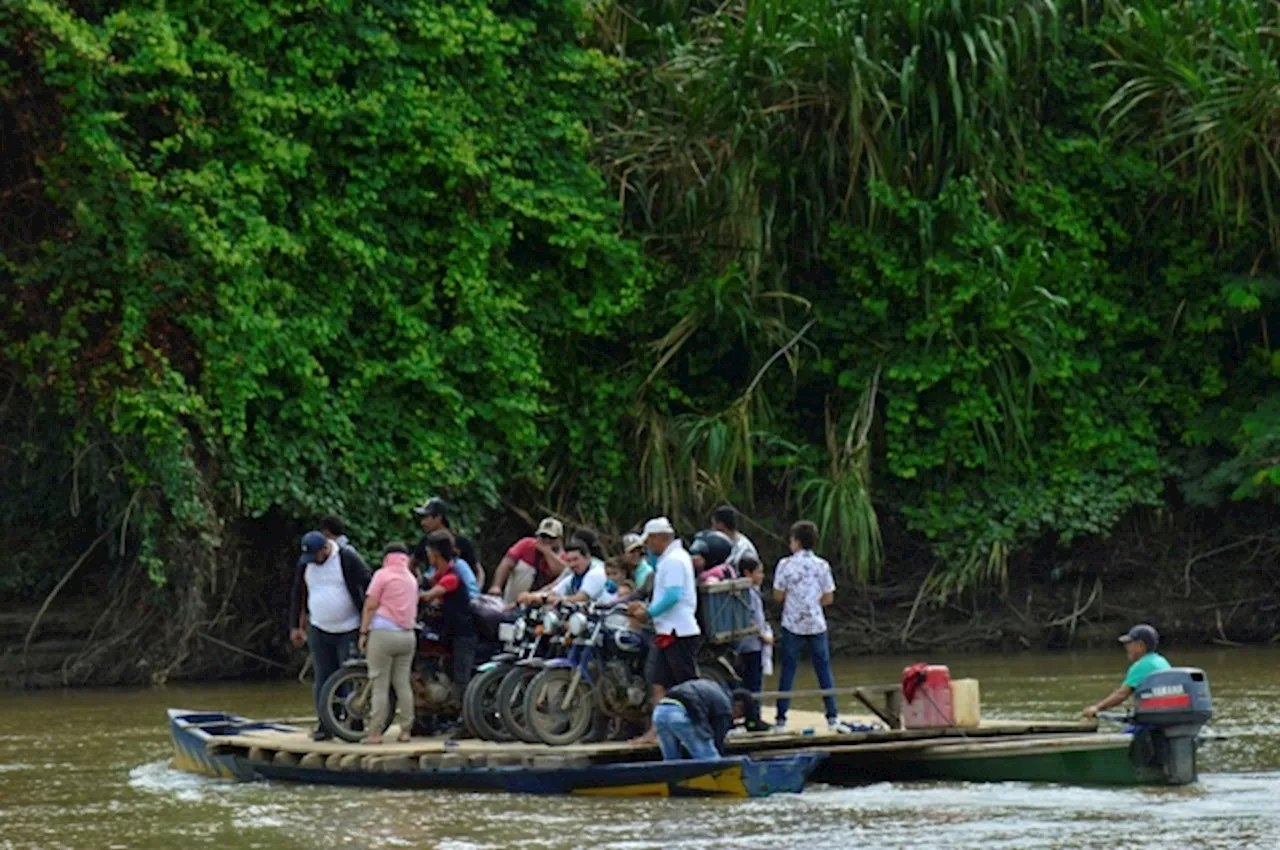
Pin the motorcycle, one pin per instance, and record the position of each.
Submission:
(522, 639)
(601, 679)
(346, 698)
(510, 697)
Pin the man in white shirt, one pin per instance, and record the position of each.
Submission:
(725, 520)
(804, 585)
(583, 581)
(329, 584)
(673, 611)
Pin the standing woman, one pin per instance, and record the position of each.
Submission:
(387, 638)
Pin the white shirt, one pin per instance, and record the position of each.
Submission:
(805, 578)
(593, 582)
(675, 569)
(742, 545)
(329, 605)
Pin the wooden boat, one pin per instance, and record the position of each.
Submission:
(204, 742)
(224, 745)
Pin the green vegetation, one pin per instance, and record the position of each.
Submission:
(994, 274)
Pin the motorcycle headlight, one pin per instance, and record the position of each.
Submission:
(520, 628)
(577, 623)
(550, 622)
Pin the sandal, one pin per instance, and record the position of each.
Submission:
(372, 740)
(404, 738)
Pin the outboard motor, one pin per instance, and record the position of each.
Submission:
(1170, 709)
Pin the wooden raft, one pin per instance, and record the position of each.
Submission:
(807, 732)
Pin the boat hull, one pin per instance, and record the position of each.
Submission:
(197, 737)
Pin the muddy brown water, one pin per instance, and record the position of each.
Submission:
(89, 769)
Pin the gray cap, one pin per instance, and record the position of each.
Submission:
(1143, 632)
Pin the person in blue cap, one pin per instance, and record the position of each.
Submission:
(329, 584)
(1140, 645)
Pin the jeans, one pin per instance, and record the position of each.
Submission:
(820, 653)
(674, 728)
(464, 661)
(751, 669)
(390, 658)
(328, 652)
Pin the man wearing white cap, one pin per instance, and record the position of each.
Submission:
(532, 563)
(673, 611)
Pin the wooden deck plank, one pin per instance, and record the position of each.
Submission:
(807, 731)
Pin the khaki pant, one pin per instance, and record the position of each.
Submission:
(390, 658)
(519, 580)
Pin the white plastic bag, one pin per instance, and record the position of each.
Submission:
(766, 657)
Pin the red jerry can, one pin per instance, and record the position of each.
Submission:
(926, 697)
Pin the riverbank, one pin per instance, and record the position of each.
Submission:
(1227, 607)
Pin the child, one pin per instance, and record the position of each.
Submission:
(751, 650)
(615, 570)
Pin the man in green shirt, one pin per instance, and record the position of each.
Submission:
(1140, 645)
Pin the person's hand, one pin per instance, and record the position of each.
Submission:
(1091, 712)
(297, 637)
(767, 640)
(495, 591)
(638, 611)
(363, 643)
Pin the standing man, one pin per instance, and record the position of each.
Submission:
(457, 627)
(1140, 645)
(329, 584)
(433, 515)
(804, 585)
(674, 608)
(335, 529)
(530, 564)
(725, 520)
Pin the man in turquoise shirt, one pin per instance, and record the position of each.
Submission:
(1140, 645)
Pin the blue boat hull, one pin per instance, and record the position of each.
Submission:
(194, 732)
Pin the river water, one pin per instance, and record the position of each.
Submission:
(89, 769)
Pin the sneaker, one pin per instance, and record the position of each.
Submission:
(834, 725)
(321, 735)
(780, 726)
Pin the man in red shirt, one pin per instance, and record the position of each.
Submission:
(457, 625)
(533, 562)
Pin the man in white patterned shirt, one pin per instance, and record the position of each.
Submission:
(804, 585)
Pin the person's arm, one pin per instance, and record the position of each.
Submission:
(1118, 696)
(444, 585)
(828, 586)
(780, 582)
(556, 566)
(593, 584)
(670, 596)
(371, 602)
(500, 574)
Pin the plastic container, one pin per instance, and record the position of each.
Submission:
(966, 703)
(931, 706)
(724, 610)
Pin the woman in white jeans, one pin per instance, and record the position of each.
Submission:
(388, 640)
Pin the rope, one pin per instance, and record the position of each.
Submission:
(243, 652)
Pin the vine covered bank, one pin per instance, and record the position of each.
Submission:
(985, 287)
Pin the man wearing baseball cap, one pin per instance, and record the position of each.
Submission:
(673, 611)
(1140, 645)
(531, 563)
(433, 516)
(329, 583)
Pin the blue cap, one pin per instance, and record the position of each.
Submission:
(1142, 632)
(312, 544)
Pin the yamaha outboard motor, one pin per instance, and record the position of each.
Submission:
(1170, 709)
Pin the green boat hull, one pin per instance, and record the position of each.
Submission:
(1073, 760)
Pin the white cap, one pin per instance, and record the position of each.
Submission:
(659, 525)
(631, 541)
(551, 527)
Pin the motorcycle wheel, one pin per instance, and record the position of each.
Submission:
(511, 703)
(346, 704)
(543, 711)
(716, 670)
(480, 706)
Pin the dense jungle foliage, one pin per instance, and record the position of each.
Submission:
(970, 279)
